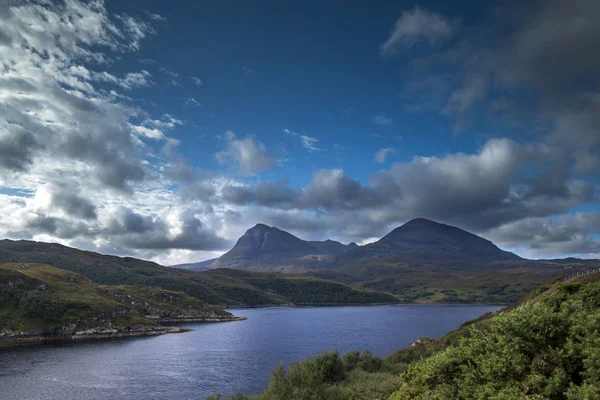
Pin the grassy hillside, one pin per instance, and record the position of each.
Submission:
(40, 302)
(300, 289)
(490, 282)
(547, 346)
(220, 287)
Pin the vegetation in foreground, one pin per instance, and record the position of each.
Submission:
(545, 347)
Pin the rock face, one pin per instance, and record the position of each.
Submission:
(8, 338)
(165, 306)
(265, 245)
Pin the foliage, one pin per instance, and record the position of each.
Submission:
(313, 291)
(546, 350)
(35, 297)
(44, 307)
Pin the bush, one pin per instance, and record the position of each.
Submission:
(548, 350)
(43, 307)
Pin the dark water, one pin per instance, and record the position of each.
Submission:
(217, 357)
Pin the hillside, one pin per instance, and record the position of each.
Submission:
(547, 346)
(302, 290)
(197, 266)
(39, 302)
(211, 288)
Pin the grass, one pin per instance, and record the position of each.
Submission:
(44, 299)
(218, 287)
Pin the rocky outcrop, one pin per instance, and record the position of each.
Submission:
(168, 307)
(72, 333)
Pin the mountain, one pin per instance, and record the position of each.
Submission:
(423, 240)
(422, 261)
(268, 248)
(224, 287)
(419, 240)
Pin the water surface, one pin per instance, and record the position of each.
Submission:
(217, 357)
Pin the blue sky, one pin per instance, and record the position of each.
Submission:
(165, 130)
(311, 68)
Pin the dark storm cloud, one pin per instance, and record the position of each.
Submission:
(126, 221)
(65, 196)
(269, 193)
(567, 234)
(17, 147)
(191, 235)
(59, 227)
(329, 190)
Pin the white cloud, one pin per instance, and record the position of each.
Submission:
(308, 142)
(173, 78)
(249, 155)
(136, 80)
(382, 154)
(71, 154)
(192, 102)
(415, 26)
(197, 81)
(155, 17)
(383, 120)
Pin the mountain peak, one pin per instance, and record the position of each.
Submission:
(423, 239)
(260, 226)
(421, 221)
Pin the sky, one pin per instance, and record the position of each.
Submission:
(164, 131)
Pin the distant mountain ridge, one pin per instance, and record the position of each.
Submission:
(419, 240)
(428, 241)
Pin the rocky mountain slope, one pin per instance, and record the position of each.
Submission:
(419, 240)
(268, 248)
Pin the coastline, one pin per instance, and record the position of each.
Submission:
(302, 305)
(70, 334)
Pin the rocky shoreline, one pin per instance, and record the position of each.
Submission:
(8, 339)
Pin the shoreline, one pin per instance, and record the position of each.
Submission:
(8, 340)
(240, 307)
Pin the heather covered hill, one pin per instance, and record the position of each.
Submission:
(39, 302)
(222, 287)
